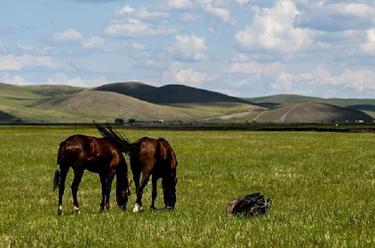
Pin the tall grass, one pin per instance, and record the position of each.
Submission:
(322, 187)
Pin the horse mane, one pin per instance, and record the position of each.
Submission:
(117, 138)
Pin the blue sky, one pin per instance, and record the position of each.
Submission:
(240, 47)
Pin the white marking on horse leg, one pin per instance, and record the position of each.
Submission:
(76, 209)
(137, 208)
(59, 210)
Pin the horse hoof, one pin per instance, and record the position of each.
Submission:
(153, 207)
(76, 210)
(137, 208)
(59, 211)
(169, 208)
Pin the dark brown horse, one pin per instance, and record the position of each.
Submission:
(149, 157)
(99, 155)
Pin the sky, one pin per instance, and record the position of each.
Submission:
(244, 48)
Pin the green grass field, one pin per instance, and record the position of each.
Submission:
(322, 187)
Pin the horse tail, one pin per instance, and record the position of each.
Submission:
(166, 154)
(56, 179)
(119, 140)
(60, 160)
(122, 184)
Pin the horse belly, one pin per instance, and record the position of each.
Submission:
(96, 165)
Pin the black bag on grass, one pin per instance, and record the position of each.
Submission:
(249, 205)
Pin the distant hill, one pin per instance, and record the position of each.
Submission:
(53, 103)
(168, 94)
(303, 112)
(56, 103)
(365, 105)
(6, 118)
(312, 112)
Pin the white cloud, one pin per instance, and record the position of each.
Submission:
(361, 81)
(220, 12)
(129, 28)
(132, 22)
(273, 29)
(369, 46)
(15, 63)
(2, 47)
(92, 42)
(146, 14)
(63, 79)
(17, 80)
(180, 4)
(255, 69)
(353, 9)
(184, 76)
(135, 27)
(189, 47)
(69, 35)
(138, 46)
(242, 2)
(125, 10)
(142, 13)
(189, 17)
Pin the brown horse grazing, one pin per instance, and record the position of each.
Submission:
(149, 157)
(99, 155)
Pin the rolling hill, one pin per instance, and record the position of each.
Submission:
(101, 105)
(312, 112)
(168, 94)
(302, 112)
(49, 103)
(365, 105)
(6, 118)
(133, 100)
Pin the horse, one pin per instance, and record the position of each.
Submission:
(149, 157)
(98, 155)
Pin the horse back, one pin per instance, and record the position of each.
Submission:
(85, 148)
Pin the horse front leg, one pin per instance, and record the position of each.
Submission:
(64, 172)
(138, 204)
(109, 187)
(78, 173)
(154, 191)
(136, 175)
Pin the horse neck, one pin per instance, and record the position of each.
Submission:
(122, 171)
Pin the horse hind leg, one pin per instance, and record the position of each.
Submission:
(154, 192)
(64, 172)
(78, 173)
(138, 204)
(103, 181)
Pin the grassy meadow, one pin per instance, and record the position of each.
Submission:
(322, 187)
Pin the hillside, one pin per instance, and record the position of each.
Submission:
(100, 105)
(303, 112)
(54, 103)
(6, 118)
(168, 94)
(365, 105)
(49, 103)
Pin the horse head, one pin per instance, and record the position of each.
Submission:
(169, 190)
